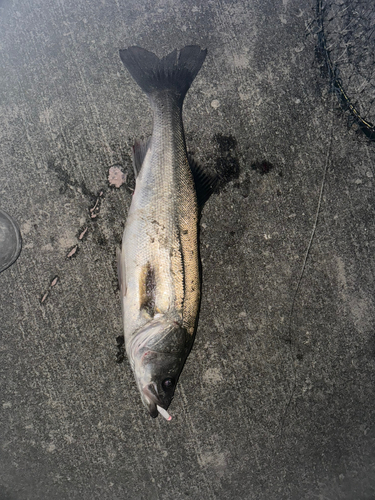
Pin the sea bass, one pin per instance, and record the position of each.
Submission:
(159, 269)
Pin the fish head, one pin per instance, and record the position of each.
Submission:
(158, 353)
(157, 388)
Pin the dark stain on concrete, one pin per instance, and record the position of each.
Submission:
(68, 180)
(244, 186)
(263, 167)
(100, 239)
(227, 164)
(227, 143)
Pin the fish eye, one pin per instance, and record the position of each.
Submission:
(167, 384)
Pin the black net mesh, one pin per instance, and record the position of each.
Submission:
(346, 47)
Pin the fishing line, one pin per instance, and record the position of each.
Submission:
(307, 253)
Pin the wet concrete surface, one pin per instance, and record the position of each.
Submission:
(276, 400)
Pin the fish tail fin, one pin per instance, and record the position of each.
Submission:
(174, 72)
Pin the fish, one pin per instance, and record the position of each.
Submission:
(159, 264)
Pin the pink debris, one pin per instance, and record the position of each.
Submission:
(95, 206)
(54, 281)
(46, 294)
(72, 252)
(83, 232)
(116, 177)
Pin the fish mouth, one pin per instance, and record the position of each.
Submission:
(151, 399)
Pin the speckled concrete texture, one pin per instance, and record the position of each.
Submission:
(276, 400)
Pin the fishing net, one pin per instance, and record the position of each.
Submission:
(346, 48)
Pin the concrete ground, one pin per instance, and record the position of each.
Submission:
(276, 400)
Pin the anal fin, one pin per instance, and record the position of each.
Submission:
(139, 152)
